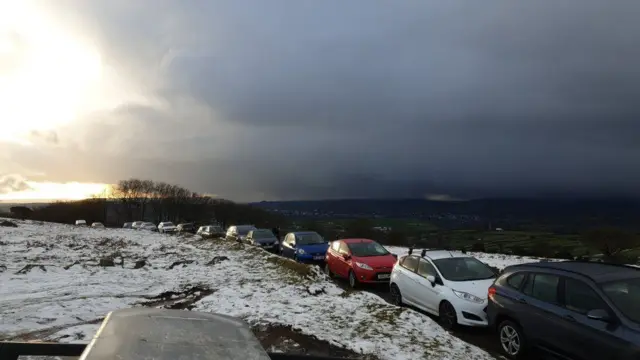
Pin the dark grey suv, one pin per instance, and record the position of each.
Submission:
(571, 309)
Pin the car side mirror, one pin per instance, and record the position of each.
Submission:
(346, 257)
(599, 314)
(432, 280)
(293, 244)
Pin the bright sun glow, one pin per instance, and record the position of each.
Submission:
(45, 74)
(55, 191)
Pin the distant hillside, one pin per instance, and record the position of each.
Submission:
(553, 214)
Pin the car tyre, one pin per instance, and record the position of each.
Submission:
(512, 340)
(353, 281)
(327, 271)
(396, 296)
(447, 316)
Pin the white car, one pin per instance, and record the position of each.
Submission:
(148, 226)
(208, 231)
(81, 222)
(451, 285)
(137, 224)
(166, 227)
(97, 225)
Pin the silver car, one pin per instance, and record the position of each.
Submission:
(263, 238)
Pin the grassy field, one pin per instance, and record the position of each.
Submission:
(421, 232)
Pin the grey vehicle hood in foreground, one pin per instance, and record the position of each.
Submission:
(159, 334)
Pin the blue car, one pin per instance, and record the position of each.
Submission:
(304, 246)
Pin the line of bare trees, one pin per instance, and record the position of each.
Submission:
(147, 200)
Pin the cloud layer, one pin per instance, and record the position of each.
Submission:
(317, 99)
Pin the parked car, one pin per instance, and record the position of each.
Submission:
(573, 309)
(81, 222)
(148, 226)
(239, 232)
(127, 225)
(137, 224)
(360, 261)
(263, 238)
(186, 228)
(304, 246)
(166, 227)
(210, 231)
(450, 285)
(97, 225)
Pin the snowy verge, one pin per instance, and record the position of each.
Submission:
(66, 298)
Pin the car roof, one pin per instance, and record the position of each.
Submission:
(441, 254)
(355, 240)
(598, 272)
(303, 232)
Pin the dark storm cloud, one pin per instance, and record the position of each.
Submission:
(308, 99)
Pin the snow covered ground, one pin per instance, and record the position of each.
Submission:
(499, 261)
(65, 299)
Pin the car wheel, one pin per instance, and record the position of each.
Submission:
(396, 296)
(327, 271)
(448, 317)
(512, 340)
(353, 282)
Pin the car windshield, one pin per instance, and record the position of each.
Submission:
(369, 248)
(625, 295)
(263, 234)
(244, 230)
(168, 223)
(463, 269)
(309, 239)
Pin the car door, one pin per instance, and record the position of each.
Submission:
(406, 281)
(587, 338)
(287, 246)
(343, 265)
(427, 294)
(332, 254)
(542, 311)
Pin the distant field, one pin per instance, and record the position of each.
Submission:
(420, 231)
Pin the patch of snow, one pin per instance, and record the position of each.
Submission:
(67, 305)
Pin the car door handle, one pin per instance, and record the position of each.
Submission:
(569, 318)
(522, 300)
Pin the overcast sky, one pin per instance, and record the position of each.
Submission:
(298, 99)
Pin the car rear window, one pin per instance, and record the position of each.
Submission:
(410, 263)
(515, 281)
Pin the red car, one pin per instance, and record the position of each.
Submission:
(360, 261)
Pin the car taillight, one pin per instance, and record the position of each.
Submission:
(492, 292)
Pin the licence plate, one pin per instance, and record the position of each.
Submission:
(319, 257)
(384, 276)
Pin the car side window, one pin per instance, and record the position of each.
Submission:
(336, 246)
(410, 263)
(344, 249)
(425, 268)
(580, 297)
(515, 280)
(543, 287)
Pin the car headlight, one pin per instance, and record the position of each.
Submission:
(363, 266)
(467, 296)
(300, 251)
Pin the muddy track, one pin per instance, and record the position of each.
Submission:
(286, 339)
